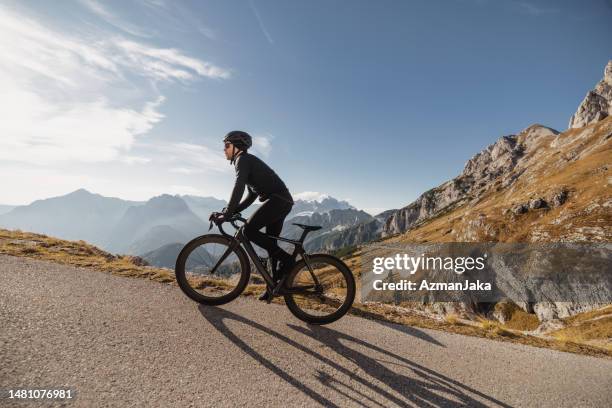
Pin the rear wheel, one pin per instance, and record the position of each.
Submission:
(321, 295)
(212, 269)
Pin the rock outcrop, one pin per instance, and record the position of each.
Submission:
(495, 167)
(355, 235)
(335, 223)
(352, 235)
(597, 104)
(510, 158)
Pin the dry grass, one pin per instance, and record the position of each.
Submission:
(518, 318)
(591, 315)
(452, 318)
(522, 320)
(592, 328)
(494, 327)
(77, 253)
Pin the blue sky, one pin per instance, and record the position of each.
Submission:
(370, 101)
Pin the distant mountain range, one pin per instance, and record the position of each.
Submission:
(157, 228)
(75, 216)
(321, 205)
(159, 221)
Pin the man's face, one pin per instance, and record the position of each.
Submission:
(228, 148)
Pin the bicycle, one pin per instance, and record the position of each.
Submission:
(319, 289)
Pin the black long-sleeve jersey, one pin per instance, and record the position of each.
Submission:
(260, 180)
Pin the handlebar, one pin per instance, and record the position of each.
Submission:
(235, 218)
(232, 220)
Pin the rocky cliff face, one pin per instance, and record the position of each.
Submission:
(597, 104)
(558, 190)
(497, 166)
(321, 204)
(367, 229)
(536, 186)
(355, 235)
(511, 158)
(334, 222)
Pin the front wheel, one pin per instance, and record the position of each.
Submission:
(322, 293)
(212, 269)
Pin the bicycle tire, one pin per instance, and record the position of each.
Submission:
(181, 278)
(301, 314)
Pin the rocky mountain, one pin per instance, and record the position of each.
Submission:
(355, 235)
(333, 221)
(597, 103)
(319, 204)
(497, 166)
(367, 229)
(74, 216)
(558, 191)
(517, 170)
(538, 186)
(140, 224)
(203, 206)
(164, 256)
(156, 237)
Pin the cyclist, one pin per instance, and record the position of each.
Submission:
(261, 181)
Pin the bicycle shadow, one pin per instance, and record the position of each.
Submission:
(419, 334)
(425, 388)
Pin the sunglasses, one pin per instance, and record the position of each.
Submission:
(227, 145)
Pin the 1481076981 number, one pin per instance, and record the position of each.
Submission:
(39, 393)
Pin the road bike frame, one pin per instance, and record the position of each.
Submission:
(239, 238)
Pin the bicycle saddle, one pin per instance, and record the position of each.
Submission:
(308, 227)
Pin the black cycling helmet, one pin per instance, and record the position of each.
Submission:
(242, 140)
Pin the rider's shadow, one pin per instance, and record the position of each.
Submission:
(424, 388)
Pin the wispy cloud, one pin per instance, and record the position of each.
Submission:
(260, 21)
(207, 32)
(135, 159)
(29, 183)
(111, 18)
(182, 170)
(262, 145)
(180, 18)
(186, 158)
(169, 63)
(34, 131)
(64, 97)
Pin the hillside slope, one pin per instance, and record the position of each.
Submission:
(536, 169)
(559, 192)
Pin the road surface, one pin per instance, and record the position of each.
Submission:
(132, 342)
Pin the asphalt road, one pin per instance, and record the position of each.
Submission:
(131, 342)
